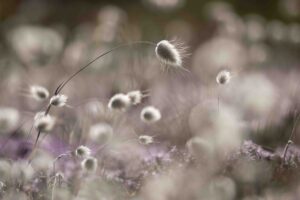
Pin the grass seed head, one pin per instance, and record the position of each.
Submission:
(82, 151)
(39, 93)
(89, 164)
(59, 100)
(9, 118)
(223, 77)
(135, 96)
(145, 139)
(100, 132)
(44, 123)
(150, 114)
(119, 102)
(168, 54)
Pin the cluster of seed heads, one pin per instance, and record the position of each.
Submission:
(166, 52)
(88, 164)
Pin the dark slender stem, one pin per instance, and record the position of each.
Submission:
(290, 141)
(62, 85)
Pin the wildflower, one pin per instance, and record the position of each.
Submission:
(39, 93)
(223, 77)
(135, 96)
(145, 139)
(89, 164)
(43, 123)
(82, 151)
(100, 132)
(119, 102)
(150, 114)
(168, 54)
(58, 100)
(9, 118)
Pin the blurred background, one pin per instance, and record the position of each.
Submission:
(42, 42)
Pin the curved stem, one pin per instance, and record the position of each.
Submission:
(296, 120)
(62, 85)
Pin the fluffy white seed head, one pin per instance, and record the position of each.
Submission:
(9, 117)
(101, 132)
(59, 100)
(223, 77)
(82, 151)
(135, 97)
(145, 139)
(89, 164)
(43, 123)
(119, 102)
(150, 114)
(168, 54)
(39, 93)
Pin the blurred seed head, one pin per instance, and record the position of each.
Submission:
(110, 20)
(220, 123)
(119, 102)
(21, 171)
(218, 10)
(164, 5)
(255, 28)
(258, 53)
(294, 33)
(89, 164)
(44, 123)
(135, 96)
(145, 139)
(36, 45)
(223, 188)
(277, 31)
(59, 100)
(248, 171)
(42, 161)
(290, 8)
(150, 114)
(200, 148)
(223, 77)
(2, 185)
(168, 54)
(255, 95)
(9, 117)
(100, 132)
(82, 151)
(39, 93)
(5, 168)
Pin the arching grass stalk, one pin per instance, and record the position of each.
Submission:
(64, 83)
(290, 141)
